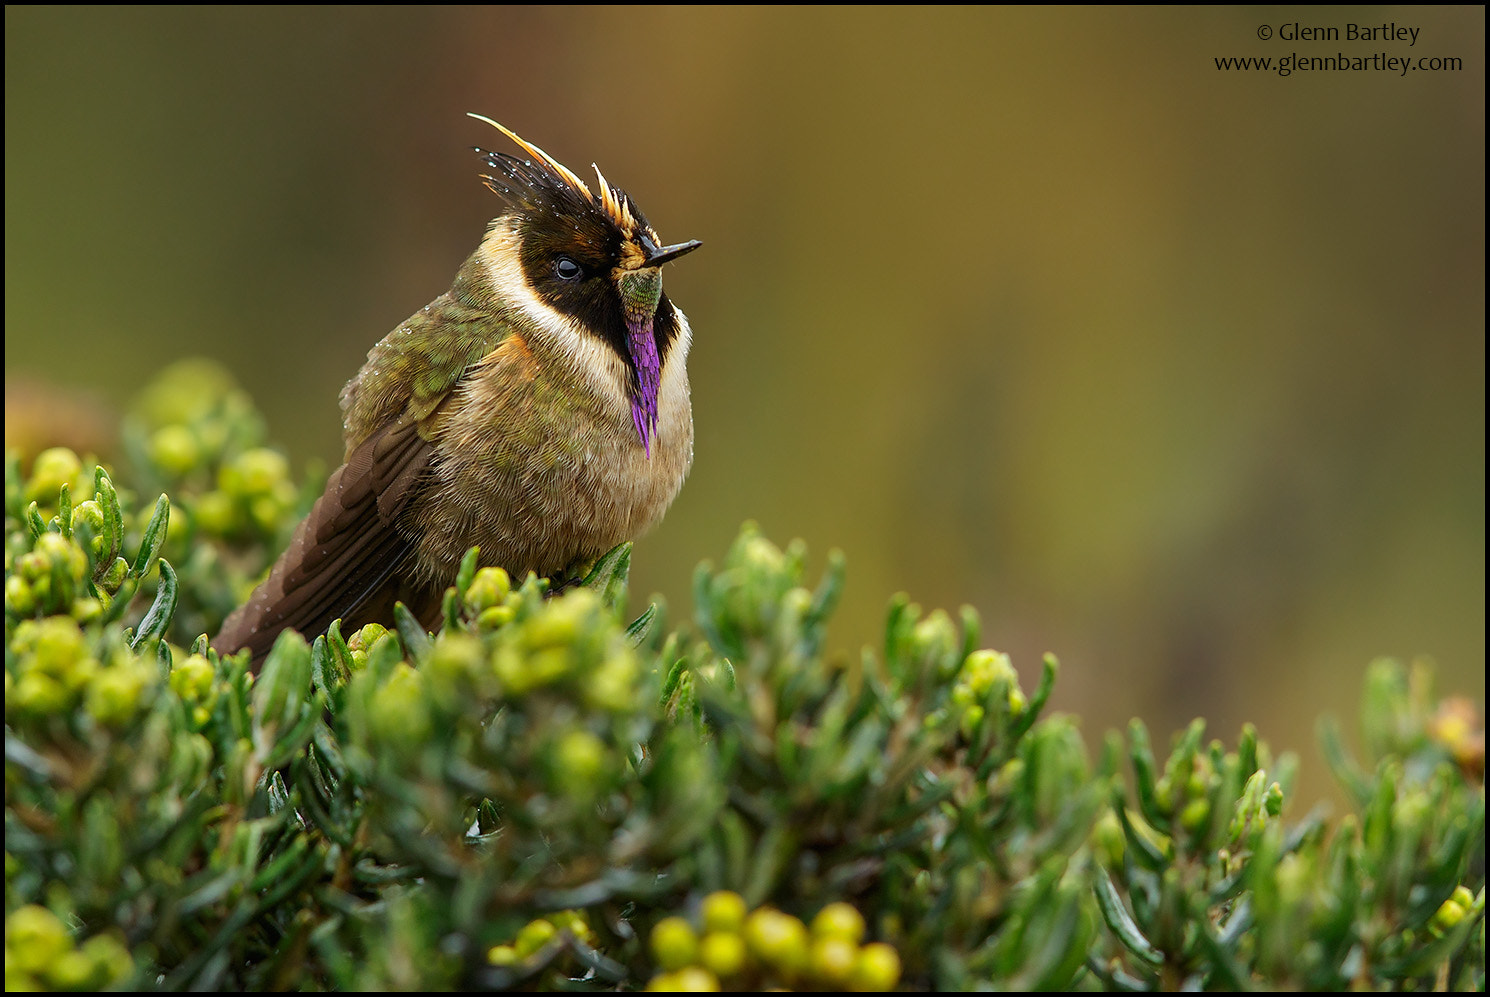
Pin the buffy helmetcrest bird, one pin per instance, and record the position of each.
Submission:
(538, 409)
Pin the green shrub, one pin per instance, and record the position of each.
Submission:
(543, 795)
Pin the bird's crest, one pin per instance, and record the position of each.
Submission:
(612, 202)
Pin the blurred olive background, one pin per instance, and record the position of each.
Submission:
(1176, 373)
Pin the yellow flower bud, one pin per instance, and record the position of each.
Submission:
(71, 971)
(833, 960)
(777, 939)
(253, 473)
(399, 711)
(114, 697)
(839, 920)
(695, 980)
(535, 934)
(192, 678)
(674, 945)
(722, 953)
(174, 449)
(34, 939)
(490, 587)
(877, 968)
(216, 514)
(723, 910)
(49, 472)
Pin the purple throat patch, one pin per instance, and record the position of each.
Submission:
(643, 347)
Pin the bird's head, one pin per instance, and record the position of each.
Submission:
(590, 256)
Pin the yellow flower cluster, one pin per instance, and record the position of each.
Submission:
(41, 954)
(55, 670)
(537, 935)
(767, 948)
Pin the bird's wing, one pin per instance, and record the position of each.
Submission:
(345, 550)
(412, 370)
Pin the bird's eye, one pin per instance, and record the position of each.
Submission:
(567, 269)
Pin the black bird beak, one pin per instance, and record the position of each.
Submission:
(657, 257)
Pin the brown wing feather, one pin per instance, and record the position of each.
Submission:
(344, 552)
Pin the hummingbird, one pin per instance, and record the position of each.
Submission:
(538, 410)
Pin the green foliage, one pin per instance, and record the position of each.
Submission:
(546, 795)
